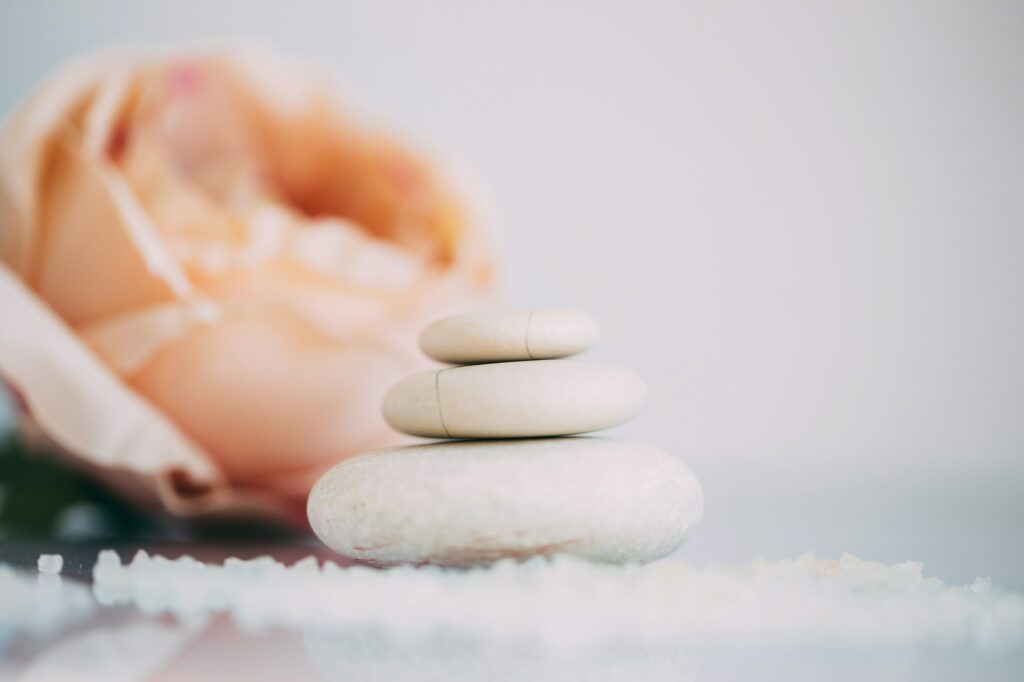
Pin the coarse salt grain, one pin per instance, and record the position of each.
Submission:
(50, 563)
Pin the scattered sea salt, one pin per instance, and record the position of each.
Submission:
(566, 601)
(50, 563)
(35, 605)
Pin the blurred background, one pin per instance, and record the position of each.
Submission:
(802, 223)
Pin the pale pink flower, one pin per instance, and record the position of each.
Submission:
(210, 272)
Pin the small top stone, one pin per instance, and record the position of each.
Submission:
(510, 335)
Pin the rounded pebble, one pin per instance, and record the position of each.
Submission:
(509, 335)
(514, 400)
(475, 502)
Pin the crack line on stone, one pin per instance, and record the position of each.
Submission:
(526, 335)
(440, 407)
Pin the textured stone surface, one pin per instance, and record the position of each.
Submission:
(514, 400)
(466, 503)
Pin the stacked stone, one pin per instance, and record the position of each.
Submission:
(522, 484)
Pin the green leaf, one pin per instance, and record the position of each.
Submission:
(37, 490)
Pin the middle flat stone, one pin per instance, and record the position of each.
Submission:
(529, 399)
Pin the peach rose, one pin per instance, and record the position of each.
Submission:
(210, 273)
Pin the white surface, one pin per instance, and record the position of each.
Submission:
(127, 654)
(534, 398)
(472, 502)
(501, 335)
(799, 222)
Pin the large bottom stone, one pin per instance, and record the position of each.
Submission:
(474, 502)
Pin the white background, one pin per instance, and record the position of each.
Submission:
(801, 222)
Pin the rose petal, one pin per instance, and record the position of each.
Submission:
(93, 231)
(78, 401)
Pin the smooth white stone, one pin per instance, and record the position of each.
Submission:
(503, 335)
(514, 400)
(472, 502)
